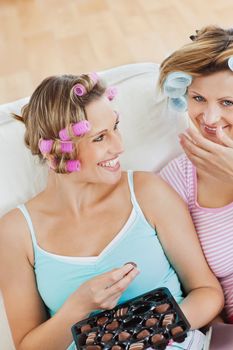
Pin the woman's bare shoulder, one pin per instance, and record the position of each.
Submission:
(13, 229)
(146, 182)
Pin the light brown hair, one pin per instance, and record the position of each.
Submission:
(208, 53)
(54, 106)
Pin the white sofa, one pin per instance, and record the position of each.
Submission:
(148, 128)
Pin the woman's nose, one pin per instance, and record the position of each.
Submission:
(211, 115)
(116, 144)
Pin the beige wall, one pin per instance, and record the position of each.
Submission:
(44, 37)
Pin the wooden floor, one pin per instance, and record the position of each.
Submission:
(44, 37)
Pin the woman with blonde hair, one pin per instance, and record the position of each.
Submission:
(66, 252)
(199, 77)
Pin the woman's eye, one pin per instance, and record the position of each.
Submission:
(227, 103)
(116, 125)
(198, 98)
(99, 138)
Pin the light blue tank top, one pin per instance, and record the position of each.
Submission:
(59, 276)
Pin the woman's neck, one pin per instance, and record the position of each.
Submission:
(74, 194)
(211, 192)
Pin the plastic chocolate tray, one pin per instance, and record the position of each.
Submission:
(149, 320)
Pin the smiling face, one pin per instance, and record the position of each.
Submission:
(99, 150)
(210, 104)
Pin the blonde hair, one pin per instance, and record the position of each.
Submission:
(54, 106)
(207, 53)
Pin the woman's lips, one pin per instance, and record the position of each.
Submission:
(211, 130)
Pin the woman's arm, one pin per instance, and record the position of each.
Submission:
(169, 214)
(214, 159)
(29, 322)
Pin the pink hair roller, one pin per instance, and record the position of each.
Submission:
(79, 90)
(45, 146)
(94, 76)
(67, 147)
(81, 127)
(73, 166)
(63, 135)
(111, 92)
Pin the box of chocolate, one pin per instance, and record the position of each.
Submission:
(151, 320)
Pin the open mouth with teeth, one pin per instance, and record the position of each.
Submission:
(111, 164)
(211, 129)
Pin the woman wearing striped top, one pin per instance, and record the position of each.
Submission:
(200, 76)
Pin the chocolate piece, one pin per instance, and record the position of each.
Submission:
(143, 334)
(112, 326)
(123, 336)
(151, 322)
(157, 338)
(106, 337)
(176, 330)
(168, 319)
(85, 328)
(91, 338)
(132, 263)
(136, 346)
(102, 320)
(93, 347)
(121, 312)
(180, 339)
(162, 308)
(116, 347)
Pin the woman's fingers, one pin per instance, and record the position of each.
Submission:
(122, 283)
(224, 138)
(113, 277)
(192, 147)
(214, 159)
(108, 287)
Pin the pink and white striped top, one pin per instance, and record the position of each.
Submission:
(213, 225)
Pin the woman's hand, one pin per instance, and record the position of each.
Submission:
(214, 159)
(103, 291)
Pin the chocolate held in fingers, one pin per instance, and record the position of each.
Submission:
(131, 263)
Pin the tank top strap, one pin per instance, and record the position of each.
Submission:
(134, 201)
(27, 217)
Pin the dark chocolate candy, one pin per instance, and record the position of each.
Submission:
(157, 338)
(116, 347)
(162, 308)
(143, 334)
(123, 336)
(176, 330)
(106, 337)
(151, 322)
(132, 263)
(85, 328)
(93, 347)
(102, 320)
(113, 325)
